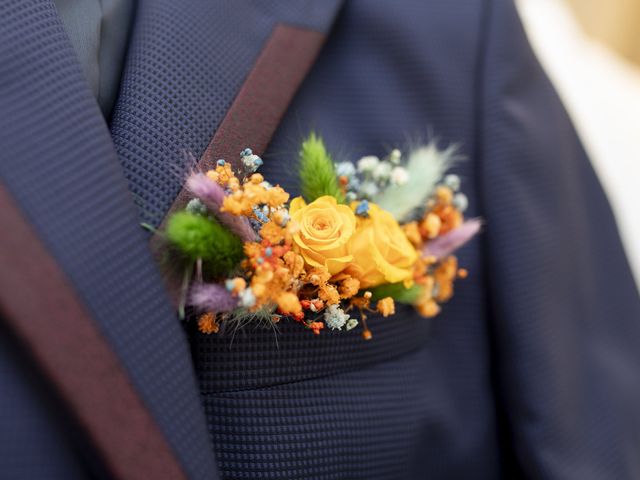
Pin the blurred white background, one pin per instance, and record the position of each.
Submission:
(591, 51)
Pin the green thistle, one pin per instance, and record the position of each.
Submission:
(317, 171)
(199, 237)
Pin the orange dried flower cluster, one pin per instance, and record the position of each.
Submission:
(224, 176)
(436, 277)
(207, 323)
(253, 193)
(437, 283)
(274, 272)
(442, 216)
(386, 307)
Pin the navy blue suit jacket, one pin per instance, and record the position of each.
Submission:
(531, 370)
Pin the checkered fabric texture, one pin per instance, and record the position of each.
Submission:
(531, 368)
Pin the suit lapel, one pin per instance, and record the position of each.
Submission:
(60, 167)
(67, 345)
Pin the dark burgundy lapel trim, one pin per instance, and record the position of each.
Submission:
(264, 97)
(39, 304)
(256, 111)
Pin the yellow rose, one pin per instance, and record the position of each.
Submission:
(381, 251)
(324, 233)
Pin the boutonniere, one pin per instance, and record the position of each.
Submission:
(360, 239)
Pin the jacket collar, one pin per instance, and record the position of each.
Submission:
(70, 177)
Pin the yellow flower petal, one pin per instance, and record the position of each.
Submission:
(382, 253)
(296, 204)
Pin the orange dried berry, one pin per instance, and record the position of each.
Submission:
(450, 218)
(265, 275)
(234, 186)
(386, 306)
(349, 287)
(252, 249)
(259, 289)
(256, 179)
(316, 327)
(427, 282)
(281, 250)
(236, 204)
(276, 197)
(254, 194)
(463, 273)
(272, 232)
(419, 270)
(317, 305)
(360, 303)
(283, 275)
(213, 175)
(239, 284)
(430, 259)
(207, 323)
(444, 195)
(447, 270)
(329, 293)
(430, 225)
(318, 276)
(225, 174)
(367, 335)
(289, 304)
(428, 308)
(445, 291)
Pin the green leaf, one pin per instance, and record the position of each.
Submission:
(317, 171)
(199, 237)
(397, 291)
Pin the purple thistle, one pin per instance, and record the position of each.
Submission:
(212, 195)
(446, 244)
(211, 297)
